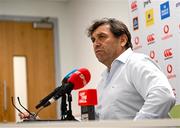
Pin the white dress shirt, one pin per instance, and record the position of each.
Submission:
(134, 88)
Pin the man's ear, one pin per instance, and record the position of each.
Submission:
(123, 39)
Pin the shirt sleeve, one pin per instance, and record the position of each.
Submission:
(157, 104)
(155, 89)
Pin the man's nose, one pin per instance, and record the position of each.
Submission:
(97, 42)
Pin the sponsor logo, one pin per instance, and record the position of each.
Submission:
(169, 68)
(137, 44)
(177, 4)
(146, 2)
(135, 23)
(166, 29)
(136, 40)
(170, 74)
(166, 32)
(151, 38)
(133, 6)
(82, 97)
(174, 91)
(149, 17)
(152, 55)
(82, 77)
(168, 53)
(165, 10)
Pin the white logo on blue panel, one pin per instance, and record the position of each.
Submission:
(135, 23)
(165, 10)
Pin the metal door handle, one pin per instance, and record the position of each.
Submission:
(5, 95)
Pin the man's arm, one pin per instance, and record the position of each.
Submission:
(154, 87)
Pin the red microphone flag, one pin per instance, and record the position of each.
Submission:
(87, 97)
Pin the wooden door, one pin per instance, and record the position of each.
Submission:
(21, 39)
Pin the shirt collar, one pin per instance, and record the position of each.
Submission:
(124, 56)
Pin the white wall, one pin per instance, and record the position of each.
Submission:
(74, 16)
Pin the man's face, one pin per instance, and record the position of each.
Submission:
(106, 46)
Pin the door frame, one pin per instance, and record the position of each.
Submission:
(56, 44)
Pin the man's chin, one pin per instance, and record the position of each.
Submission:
(100, 60)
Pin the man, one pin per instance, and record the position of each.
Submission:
(132, 86)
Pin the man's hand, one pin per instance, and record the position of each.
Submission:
(24, 116)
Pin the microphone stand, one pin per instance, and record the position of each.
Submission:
(63, 107)
(68, 113)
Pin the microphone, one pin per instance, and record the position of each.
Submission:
(67, 76)
(45, 100)
(87, 99)
(77, 80)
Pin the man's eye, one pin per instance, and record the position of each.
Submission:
(101, 37)
(92, 39)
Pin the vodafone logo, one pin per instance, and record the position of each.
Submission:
(133, 5)
(170, 75)
(151, 38)
(136, 40)
(169, 68)
(166, 29)
(137, 44)
(168, 53)
(166, 32)
(152, 54)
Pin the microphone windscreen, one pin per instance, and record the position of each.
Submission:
(65, 79)
(87, 97)
(80, 78)
(70, 73)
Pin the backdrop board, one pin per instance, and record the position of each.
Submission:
(155, 28)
